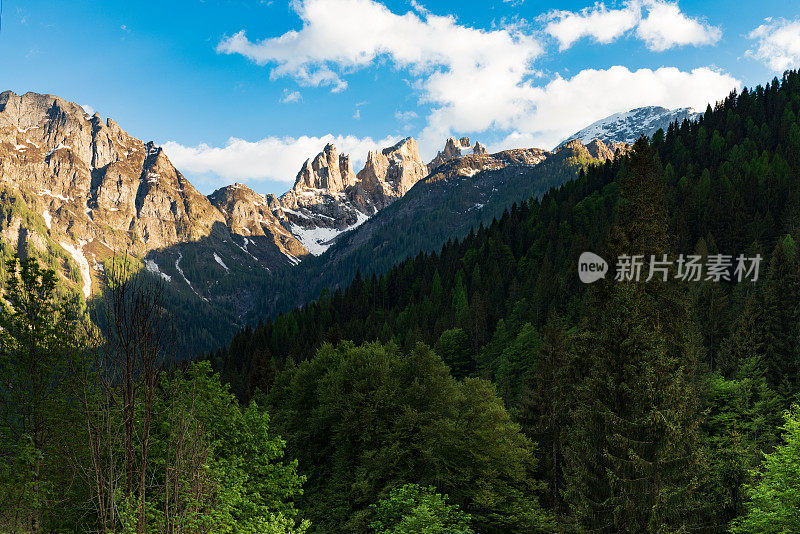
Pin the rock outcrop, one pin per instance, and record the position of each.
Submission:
(248, 213)
(455, 148)
(472, 164)
(597, 149)
(388, 175)
(87, 190)
(600, 150)
(328, 199)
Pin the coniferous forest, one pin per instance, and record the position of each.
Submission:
(480, 389)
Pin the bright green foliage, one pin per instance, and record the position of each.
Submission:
(213, 466)
(363, 420)
(38, 333)
(254, 487)
(742, 420)
(774, 500)
(413, 509)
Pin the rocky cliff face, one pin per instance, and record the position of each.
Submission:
(328, 199)
(94, 180)
(84, 190)
(81, 189)
(456, 148)
(388, 175)
(248, 213)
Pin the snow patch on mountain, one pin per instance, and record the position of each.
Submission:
(83, 263)
(627, 127)
(318, 240)
(152, 267)
(219, 260)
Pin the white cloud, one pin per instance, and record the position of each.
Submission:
(662, 27)
(564, 105)
(665, 27)
(341, 36)
(477, 81)
(599, 22)
(777, 44)
(88, 109)
(271, 159)
(291, 97)
(543, 117)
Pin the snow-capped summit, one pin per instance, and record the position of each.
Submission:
(628, 126)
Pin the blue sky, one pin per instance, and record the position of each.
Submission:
(245, 90)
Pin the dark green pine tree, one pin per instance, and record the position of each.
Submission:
(544, 409)
(634, 462)
(262, 373)
(780, 318)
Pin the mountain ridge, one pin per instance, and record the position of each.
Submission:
(627, 126)
(81, 191)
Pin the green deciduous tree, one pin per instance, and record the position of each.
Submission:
(38, 336)
(413, 509)
(363, 420)
(774, 500)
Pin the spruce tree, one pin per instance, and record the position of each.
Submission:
(634, 463)
(545, 406)
(780, 318)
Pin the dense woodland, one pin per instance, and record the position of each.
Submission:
(649, 406)
(481, 389)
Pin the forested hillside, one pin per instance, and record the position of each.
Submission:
(650, 404)
(444, 205)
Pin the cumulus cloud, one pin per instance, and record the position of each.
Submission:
(602, 24)
(273, 159)
(472, 81)
(340, 36)
(777, 44)
(665, 27)
(660, 24)
(88, 109)
(566, 105)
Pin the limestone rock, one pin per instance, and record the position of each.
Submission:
(328, 199)
(453, 148)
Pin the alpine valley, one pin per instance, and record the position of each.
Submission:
(77, 192)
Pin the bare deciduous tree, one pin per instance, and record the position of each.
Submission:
(134, 340)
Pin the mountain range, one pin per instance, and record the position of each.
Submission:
(78, 192)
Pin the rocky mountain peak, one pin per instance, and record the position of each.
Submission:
(390, 173)
(455, 148)
(248, 214)
(328, 198)
(91, 189)
(328, 171)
